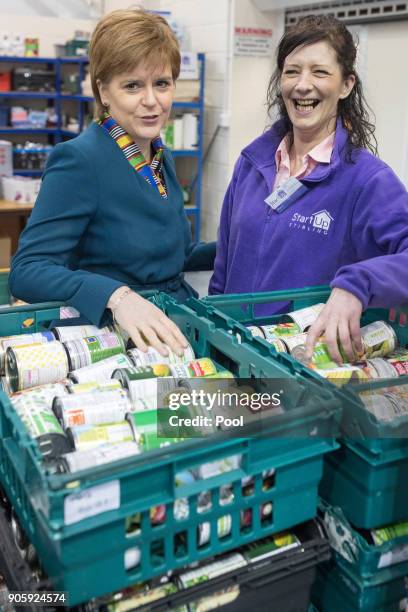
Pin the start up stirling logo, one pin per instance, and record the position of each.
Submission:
(319, 222)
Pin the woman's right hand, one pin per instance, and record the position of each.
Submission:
(146, 324)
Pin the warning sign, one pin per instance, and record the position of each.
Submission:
(253, 41)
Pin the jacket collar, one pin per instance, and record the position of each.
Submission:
(261, 153)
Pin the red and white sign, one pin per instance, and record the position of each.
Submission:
(254, 42)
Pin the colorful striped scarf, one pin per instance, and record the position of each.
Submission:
(153, 172)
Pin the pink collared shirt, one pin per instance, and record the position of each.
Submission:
(320, 154)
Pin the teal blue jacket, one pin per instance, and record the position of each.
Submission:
(97, 225)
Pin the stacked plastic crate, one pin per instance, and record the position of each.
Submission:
(78, 523)
(364, 480)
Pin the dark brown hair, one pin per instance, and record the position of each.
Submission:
(353, 110)
(126, 37)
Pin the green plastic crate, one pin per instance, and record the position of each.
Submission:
(4, 290)
(339, 590)
(233, 311)
(371, 489)
(86, 558)
(353, 550)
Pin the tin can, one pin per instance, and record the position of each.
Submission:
(292, 342)
(381, 368)
(156, 370)
(278, 344)
(89, 459)
(86, 351)
(102, 371)
(304, 317)
(132, 557)
(144, 426)
(44, 393)
(343, 375)
(256, 331)
(224, 526)
(140, 358)
(195, 576)
(87, 437)
(67, 333)
(146, 393)
(42, 426)
(210, 384)
(385, 534)
(271, 546)
(109, 385)
(193, 369)
(379, 339)
(280, 330)
(384, 406)
(35, 364)
(22, 340)
(93, 408)
(399, 361)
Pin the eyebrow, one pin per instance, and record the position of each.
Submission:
(313, 66)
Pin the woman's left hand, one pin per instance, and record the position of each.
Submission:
(339, 322)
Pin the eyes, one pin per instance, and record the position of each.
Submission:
(160, 84)
(290, 72)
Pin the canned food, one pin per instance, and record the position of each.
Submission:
(93, 408)
(385, 407)
(193, 369)
(140, 358)
(146, 393)
(271, 546)
(144, 426)
(86, 437)
(35, 364)
(304, 317)
(343, 375)
(156, 370)
(42, 426)
(88, 459)
(293, 342)
(22, 340)
(102, 371)
(224, 526)
(399, 361)
(379, 339)
(381, 368)
(280, 330)
(256, 331)
(228, 563)
(86, 351)
(44, 393)
(385, 534)
(66, 333)
(94, 386)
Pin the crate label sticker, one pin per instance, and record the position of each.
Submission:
(92, 501)
(398, 554)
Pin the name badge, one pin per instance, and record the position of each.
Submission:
(285, 194)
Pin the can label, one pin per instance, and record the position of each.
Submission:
(342, 375)
(67, 333)
(44, 393)
(22, 340)
(149, 393)
(305, 317)
(256, 331)
(109, 385)
(93, 408)
(139, 358)
(193, 369)
(378, 339)
(227, 564)
(37, 418)
(281, 330)
(36, 364)
(86, 437)
(101, 372)
(294, 341)
(82, 460)
(90, 350)
(385, 534)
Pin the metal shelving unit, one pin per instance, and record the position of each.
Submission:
(59, 133)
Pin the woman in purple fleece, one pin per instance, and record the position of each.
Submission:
(309, 203)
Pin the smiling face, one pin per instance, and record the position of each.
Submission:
(140, 102)
(312, 84)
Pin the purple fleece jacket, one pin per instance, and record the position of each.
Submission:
(349, 230)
